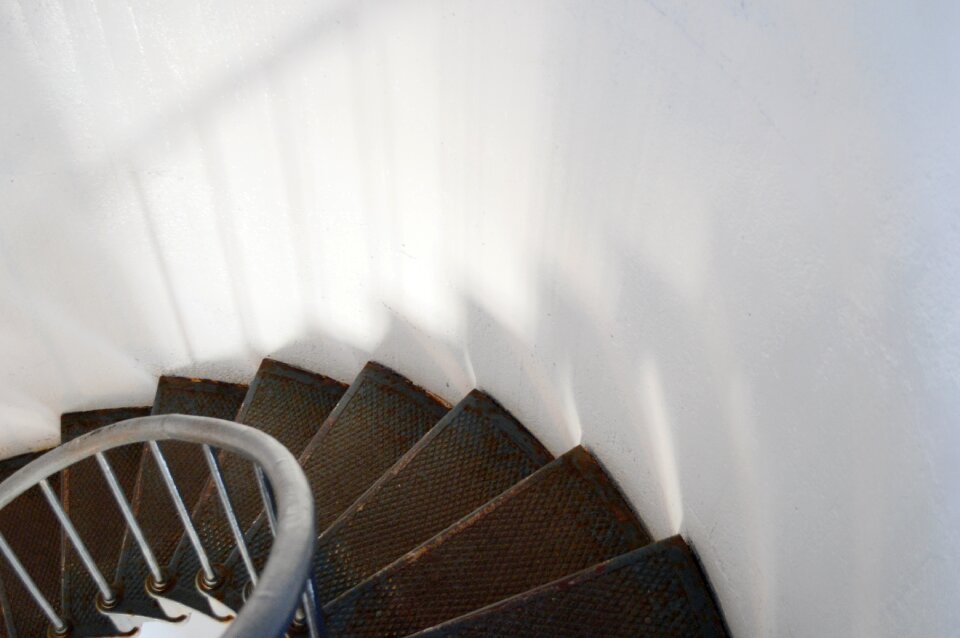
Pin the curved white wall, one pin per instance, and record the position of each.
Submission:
(716, 241)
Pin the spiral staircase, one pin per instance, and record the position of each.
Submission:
(426, 520)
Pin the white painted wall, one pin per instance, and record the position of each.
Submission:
(716, 241)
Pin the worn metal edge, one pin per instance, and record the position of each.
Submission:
(478, 515)
(606, 488)
(273, 367)
(385, 377)
(511, 427)
(687, 569)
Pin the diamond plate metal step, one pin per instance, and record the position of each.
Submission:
(289, 404)
(37, 545)
(381, 416)
(657, 591)
(472, 455)
(87, 500)
(563, 518)
(151, 501)
(384, 415)
(447, 522)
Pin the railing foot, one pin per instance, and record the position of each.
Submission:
(106, 605)
(207, 585)
(158, 587)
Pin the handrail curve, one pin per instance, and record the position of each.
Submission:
(278, 592)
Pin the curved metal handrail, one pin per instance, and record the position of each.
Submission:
(278, 592)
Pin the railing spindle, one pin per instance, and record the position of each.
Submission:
(267, 495)
(131, 520)
(105, 591)
(308, 599)
(282, 580)
(188, 525)
(59, 625)
(217, 475)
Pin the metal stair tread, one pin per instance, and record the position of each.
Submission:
(31, 544)
(655, 591)
(386, 413)
(151, 501)
(379, 418)
(566, 516)
(474, 453)
(432, 522)
(87, 500)
(290, 404)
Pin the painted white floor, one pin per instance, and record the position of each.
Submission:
(197, 626)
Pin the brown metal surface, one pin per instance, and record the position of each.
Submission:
(472, 455)
(89, 503)
(289, 404)
(384, 416)
(563, 518)
(7, 628)
(33, 532)
(381, 416)
(657, 591)
(151, 501)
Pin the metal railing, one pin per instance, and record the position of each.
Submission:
(279, 593)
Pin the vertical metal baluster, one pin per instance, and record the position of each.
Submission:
(309, 598)
(308, 608)
(267, 495)
(105, 591)
(59, 625)
(188, 526)
(131, 520)
(214, 465)
(7, 612)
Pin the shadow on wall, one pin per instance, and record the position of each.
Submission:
(610, 220)
(66, 329)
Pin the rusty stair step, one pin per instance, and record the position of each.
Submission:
(88, 501)
(565, 517)
(37, 545)
(657, 591)
(473, 454)
(382, 416)
(151, 501)
(288, 403)
(379, 418)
